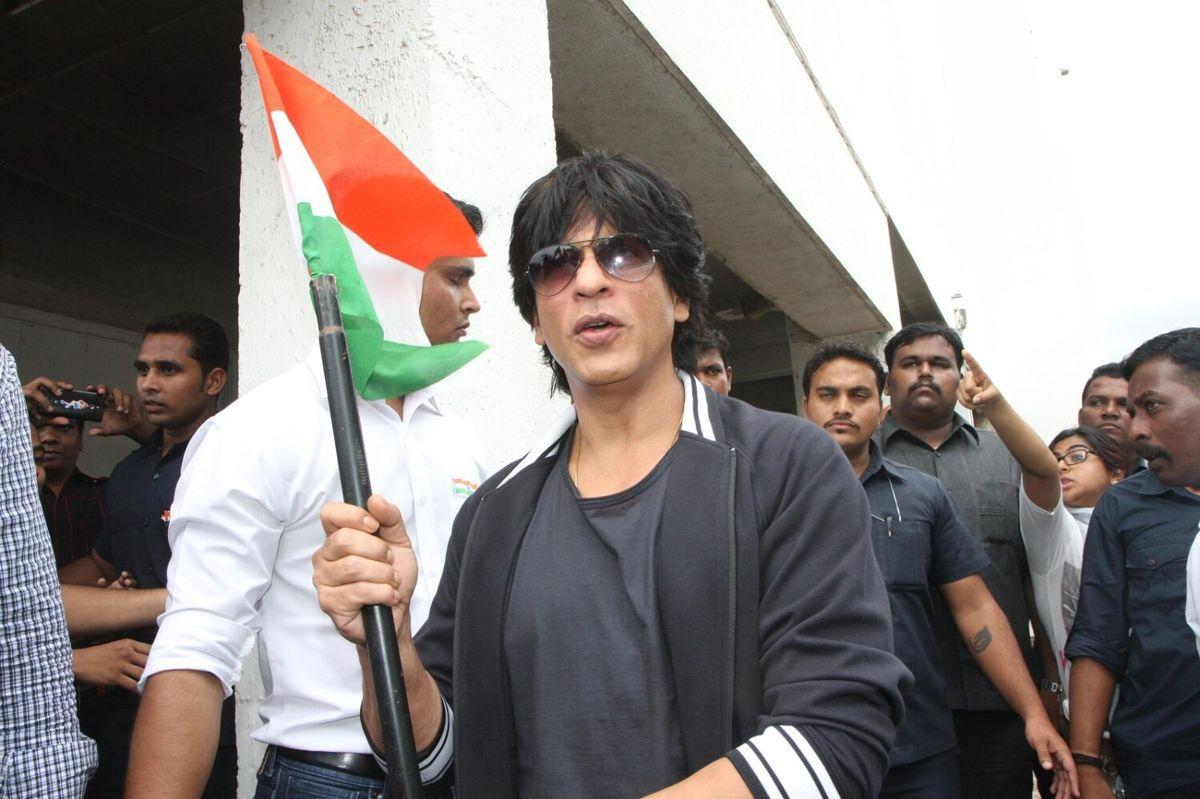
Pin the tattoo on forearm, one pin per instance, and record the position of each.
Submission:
(980, 640)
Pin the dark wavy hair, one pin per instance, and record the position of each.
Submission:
(633, 197)
(695, 346)
(1102, 443)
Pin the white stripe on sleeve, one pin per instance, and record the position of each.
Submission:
(787, 766)
(434, 765)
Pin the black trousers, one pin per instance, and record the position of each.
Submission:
(935, 777)
(994, 761)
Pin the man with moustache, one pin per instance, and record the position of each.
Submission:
(673, 592)
(1131, 626)
(181, 366)
(923, 431)
(73, 501)
(923, 548)
(1105, 407)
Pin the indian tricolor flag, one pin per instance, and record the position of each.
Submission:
(364, 213)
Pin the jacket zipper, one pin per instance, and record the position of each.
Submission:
(457, 605)
(731, 640)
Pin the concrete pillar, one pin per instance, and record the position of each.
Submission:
(464, 90)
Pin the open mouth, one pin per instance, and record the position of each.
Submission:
(597, 329)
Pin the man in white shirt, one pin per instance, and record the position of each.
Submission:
(245, 524)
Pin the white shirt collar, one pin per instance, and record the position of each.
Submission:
(416, 399)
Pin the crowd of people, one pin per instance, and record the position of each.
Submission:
(672, 594)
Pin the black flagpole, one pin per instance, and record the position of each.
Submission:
(404, 779)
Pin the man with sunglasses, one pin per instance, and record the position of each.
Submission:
(672, 592)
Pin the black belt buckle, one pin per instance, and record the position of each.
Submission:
(355, 763)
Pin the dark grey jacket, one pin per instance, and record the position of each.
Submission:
(775, 616)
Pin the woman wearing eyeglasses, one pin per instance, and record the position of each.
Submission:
(1059, 487)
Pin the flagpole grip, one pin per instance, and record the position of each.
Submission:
(404, 779)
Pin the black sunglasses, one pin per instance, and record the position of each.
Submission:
(626, 256)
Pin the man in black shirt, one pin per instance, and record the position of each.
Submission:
(1130, 629)
(922, 543)
(73, 501)
(924, 432)
(182, 367)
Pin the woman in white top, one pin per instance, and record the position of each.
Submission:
(1089, 462)
(1059, 487)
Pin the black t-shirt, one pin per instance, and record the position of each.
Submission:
(593, 699)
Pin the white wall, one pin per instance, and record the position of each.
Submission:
(464, 90)
(738, 57)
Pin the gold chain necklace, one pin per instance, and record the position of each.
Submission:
(577, 456)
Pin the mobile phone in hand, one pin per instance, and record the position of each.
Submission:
(86, 405)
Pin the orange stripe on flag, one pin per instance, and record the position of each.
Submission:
(375, 190)
(266, 83)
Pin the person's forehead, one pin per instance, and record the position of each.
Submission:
(166, 347)
(451, 262)
(583, 228)
(54, 424)
(710, 357)
(930, 346)
(843, 373)
(1070, 442)
(1164, 376)
(1107, 387)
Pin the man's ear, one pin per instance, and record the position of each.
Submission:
(729, 375)
(683, 311)
(538, 338)
(804, 407)
(214, 381)
(887, 385)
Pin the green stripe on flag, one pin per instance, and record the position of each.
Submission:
(382, 369)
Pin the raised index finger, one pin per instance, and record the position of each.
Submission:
(974, 366)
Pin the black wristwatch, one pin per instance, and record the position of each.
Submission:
(1106, 766)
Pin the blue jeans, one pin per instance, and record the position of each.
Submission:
(282, 778)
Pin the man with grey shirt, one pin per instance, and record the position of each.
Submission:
(923, 431)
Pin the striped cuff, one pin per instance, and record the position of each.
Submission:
(780, 764)
(436, 761)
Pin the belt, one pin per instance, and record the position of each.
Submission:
(359, 765)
